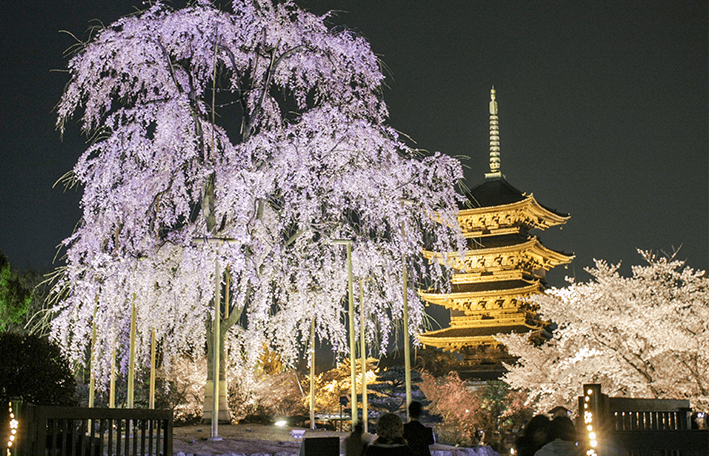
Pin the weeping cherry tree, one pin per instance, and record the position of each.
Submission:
(234, 145)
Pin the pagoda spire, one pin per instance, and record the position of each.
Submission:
(494, 139)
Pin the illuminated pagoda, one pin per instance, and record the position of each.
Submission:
(503, 265)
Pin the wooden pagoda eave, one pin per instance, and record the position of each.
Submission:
(544, 218)
(493, 317)
(547, 258)
(452, 300)
(456, 343)
(478, 233)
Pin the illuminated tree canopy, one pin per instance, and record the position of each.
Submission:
(640, 336)
(262, 127)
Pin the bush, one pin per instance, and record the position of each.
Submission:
(456, 405)
(34, 369)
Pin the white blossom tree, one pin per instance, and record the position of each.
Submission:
(258, 126)
(646, 335)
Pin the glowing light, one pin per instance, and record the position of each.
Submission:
(14, 425)
(589, 427)
(589, 392)
(281, 423)
(593, 443)
(592, 436)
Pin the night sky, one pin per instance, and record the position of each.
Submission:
(603, 112)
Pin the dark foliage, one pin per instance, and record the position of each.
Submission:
(35, 370)
(15, 297)
(390, 390)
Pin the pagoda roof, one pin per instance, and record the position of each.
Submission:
(496, 191)
(503, 285)
(546, 257)
(454, 300)
(478, 331)
(455, 338)
(492, 192)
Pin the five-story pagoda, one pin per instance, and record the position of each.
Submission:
(503, 265)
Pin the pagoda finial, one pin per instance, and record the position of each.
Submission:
(494, 139)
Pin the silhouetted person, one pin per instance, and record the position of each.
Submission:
(390, 438)
(355, 445)
(418, 436)
(563, 439)
(534, 436)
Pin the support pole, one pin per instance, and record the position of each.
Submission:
(363, 353)
(153, 342)
(131, 357)
(312, 373)
(92, 376)
(112, 390)
(353, 361)
(216, 360)
(407, 343)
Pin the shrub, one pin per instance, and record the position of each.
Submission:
(35, 369)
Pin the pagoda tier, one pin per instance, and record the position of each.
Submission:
(502, 266)
(508, 257)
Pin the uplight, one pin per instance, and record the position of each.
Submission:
(281, 423)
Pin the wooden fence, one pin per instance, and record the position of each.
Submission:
(639, 427)
(59, 431)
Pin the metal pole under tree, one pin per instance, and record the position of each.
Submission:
(215, 362)
(112, 387)
(216, 334)
(407, 344)
(151, 397)
(131, 356)
(353, 361)
(363, 353)
(407, 347)
(92, 376)
(312, 373)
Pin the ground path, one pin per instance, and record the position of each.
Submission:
(265, 440)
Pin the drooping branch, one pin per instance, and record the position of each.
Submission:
(266, 85)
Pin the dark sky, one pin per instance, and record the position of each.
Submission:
(603, 112)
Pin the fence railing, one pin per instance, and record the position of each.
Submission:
(638, 427)
(627, 414)
(59, 431)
